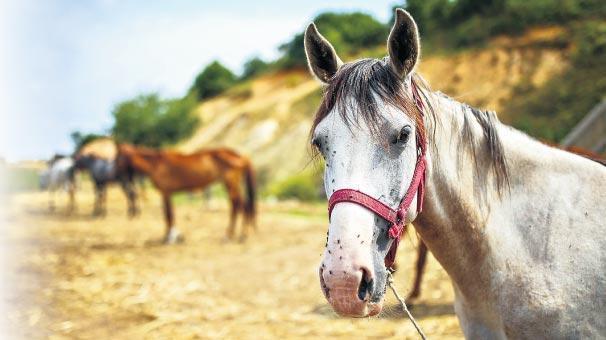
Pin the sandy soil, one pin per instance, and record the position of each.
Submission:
(79, 277)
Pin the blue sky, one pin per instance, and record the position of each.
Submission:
(64, 64)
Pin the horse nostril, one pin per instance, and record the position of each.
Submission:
(366, 286)
(325, 288)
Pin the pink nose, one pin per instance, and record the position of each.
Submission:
(349, 292)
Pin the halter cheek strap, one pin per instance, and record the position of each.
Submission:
(396, 218)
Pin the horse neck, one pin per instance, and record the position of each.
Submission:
(466, 221)
(453, 212)
(144, 162)
(464, 209)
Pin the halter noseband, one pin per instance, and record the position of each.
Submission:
(395, 217)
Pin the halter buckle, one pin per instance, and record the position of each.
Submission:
(396, 228)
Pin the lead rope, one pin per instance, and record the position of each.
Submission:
(403, 303)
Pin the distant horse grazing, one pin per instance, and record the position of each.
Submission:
(59, 174)
(106, 148)
(517, 225)
(103, 172)
(172, 171)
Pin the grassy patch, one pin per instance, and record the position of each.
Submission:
(14, 180)
(308, 104)
(305, 186)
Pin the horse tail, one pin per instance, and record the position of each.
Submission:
(251, 192)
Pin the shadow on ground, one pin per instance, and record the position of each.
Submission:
(395, 311)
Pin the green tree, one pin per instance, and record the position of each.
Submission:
(213, 80)
(457, 23)
(254, 67)
(347, 32)
(149, 120)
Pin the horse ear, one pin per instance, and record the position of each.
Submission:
(322, 59)
(403, 44)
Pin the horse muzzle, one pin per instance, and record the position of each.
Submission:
(349, 293)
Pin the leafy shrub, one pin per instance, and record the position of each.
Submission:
(213, 80)
(149, 120)
(306, 186)
(254, 67)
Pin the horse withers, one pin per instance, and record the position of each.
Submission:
(517, 225)
(172, 172)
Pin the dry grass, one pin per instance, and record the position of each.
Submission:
(78, 277)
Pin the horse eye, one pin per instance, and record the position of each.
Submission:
(401, 138)
(316, 143)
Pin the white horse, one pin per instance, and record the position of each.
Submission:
(518, 225)
(60, 174)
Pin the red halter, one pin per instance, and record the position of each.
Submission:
(394, 217)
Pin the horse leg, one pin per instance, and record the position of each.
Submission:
(236, 206)
(51, 200)
(233, 217)
(103, 199)
(172, 234)
(131, 197)
(142, 190)
(72, 198)
(97, 204)
(421, 259)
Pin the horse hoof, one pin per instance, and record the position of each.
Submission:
(133, 213)
(173, 237)
(412, 298)
(242, 239)
(178, 240)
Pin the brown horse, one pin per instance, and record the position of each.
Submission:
(422, 250)
(171, 172)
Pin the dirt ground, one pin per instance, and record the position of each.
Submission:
(80, 277)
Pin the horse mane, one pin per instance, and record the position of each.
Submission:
(357, 85)
(354, 89)
(488, 122)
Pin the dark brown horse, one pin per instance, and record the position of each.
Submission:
(422, 250)
(171, 172)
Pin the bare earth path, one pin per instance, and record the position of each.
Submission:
(78, 277)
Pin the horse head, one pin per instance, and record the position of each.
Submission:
(369, 130)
